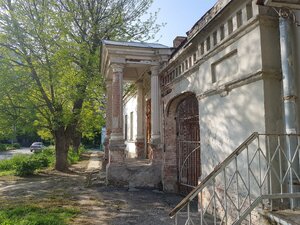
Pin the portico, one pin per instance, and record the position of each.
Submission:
(137, 65)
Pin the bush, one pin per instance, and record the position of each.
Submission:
(6, 164)
(2, 147)
(73, 157)
(10, 164)
(16, 145)
(41, 160)
(48, 153)
(26, 167)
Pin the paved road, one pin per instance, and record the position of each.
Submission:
(9, 154)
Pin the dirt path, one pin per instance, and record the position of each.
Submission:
(84, 188)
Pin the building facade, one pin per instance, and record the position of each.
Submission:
(187, 108)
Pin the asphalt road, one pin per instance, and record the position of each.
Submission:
(9, 154)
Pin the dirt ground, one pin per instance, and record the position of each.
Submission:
(98, 203)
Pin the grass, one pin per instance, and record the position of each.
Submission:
(29, 214)
(24, 165)
(7, 173)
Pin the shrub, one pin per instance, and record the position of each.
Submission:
(26, 168)
(48, 153)
(6, 164)
(2, 147)
(73, 157)
(41, 160)
(16, 145)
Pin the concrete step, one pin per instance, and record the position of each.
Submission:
(283, 217)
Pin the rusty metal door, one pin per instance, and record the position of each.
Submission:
(188, 144)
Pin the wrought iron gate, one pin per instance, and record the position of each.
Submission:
(188, 144)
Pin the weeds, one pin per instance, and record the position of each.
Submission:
(26, 214)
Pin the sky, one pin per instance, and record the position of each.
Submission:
(179, 16)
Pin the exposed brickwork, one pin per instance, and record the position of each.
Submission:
(117, 103)
(140, 148)
(157, 155)
(170, 156)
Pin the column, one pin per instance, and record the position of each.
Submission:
(116, 142)
(108, 118)
(155, 145)
(140, 139)
(155, 105)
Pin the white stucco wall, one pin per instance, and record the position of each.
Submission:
(254, 105)
(225, 122)
(297, 61)
(130, 106)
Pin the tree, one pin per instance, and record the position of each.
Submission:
(56, 46)
(16, 117)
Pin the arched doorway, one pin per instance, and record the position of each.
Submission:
(188, 144)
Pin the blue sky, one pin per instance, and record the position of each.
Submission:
(179, 16)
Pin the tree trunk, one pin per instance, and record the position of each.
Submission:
(76, 140)
(62, 143)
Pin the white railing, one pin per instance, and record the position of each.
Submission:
(263, 171)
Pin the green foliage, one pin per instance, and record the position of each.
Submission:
(26, 165)
(12, 146)
(16, 145)
(34, 215)
(2, 147)
(26, 168)
(74, 157)
(10, 164)
(49, 64)
(38, 160)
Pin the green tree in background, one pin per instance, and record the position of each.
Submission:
(52, 51)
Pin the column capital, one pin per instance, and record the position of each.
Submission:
(154, 70)
(117, 67)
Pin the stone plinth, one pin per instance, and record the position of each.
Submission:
(116, 164)
(135, 173)
(156, 148)
(140, 148)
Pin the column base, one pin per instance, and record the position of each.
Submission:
(106, 152)
(116, 151)
(157, 153)
(116, 174)
(116, 165)
(140, 148)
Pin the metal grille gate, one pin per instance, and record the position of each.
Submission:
(188, 145)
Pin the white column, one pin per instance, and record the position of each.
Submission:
(155, 104)
(140, 110)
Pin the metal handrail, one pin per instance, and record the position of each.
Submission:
(274, 165)
(212, 175)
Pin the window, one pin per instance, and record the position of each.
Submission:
(202, 48)
(208, 44)
(230, 26)
(131, 126)
(249, 11)
(215, 38)
(126, 127)
(239, 18)
(222, 32)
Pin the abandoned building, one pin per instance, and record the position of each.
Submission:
(227, 91)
